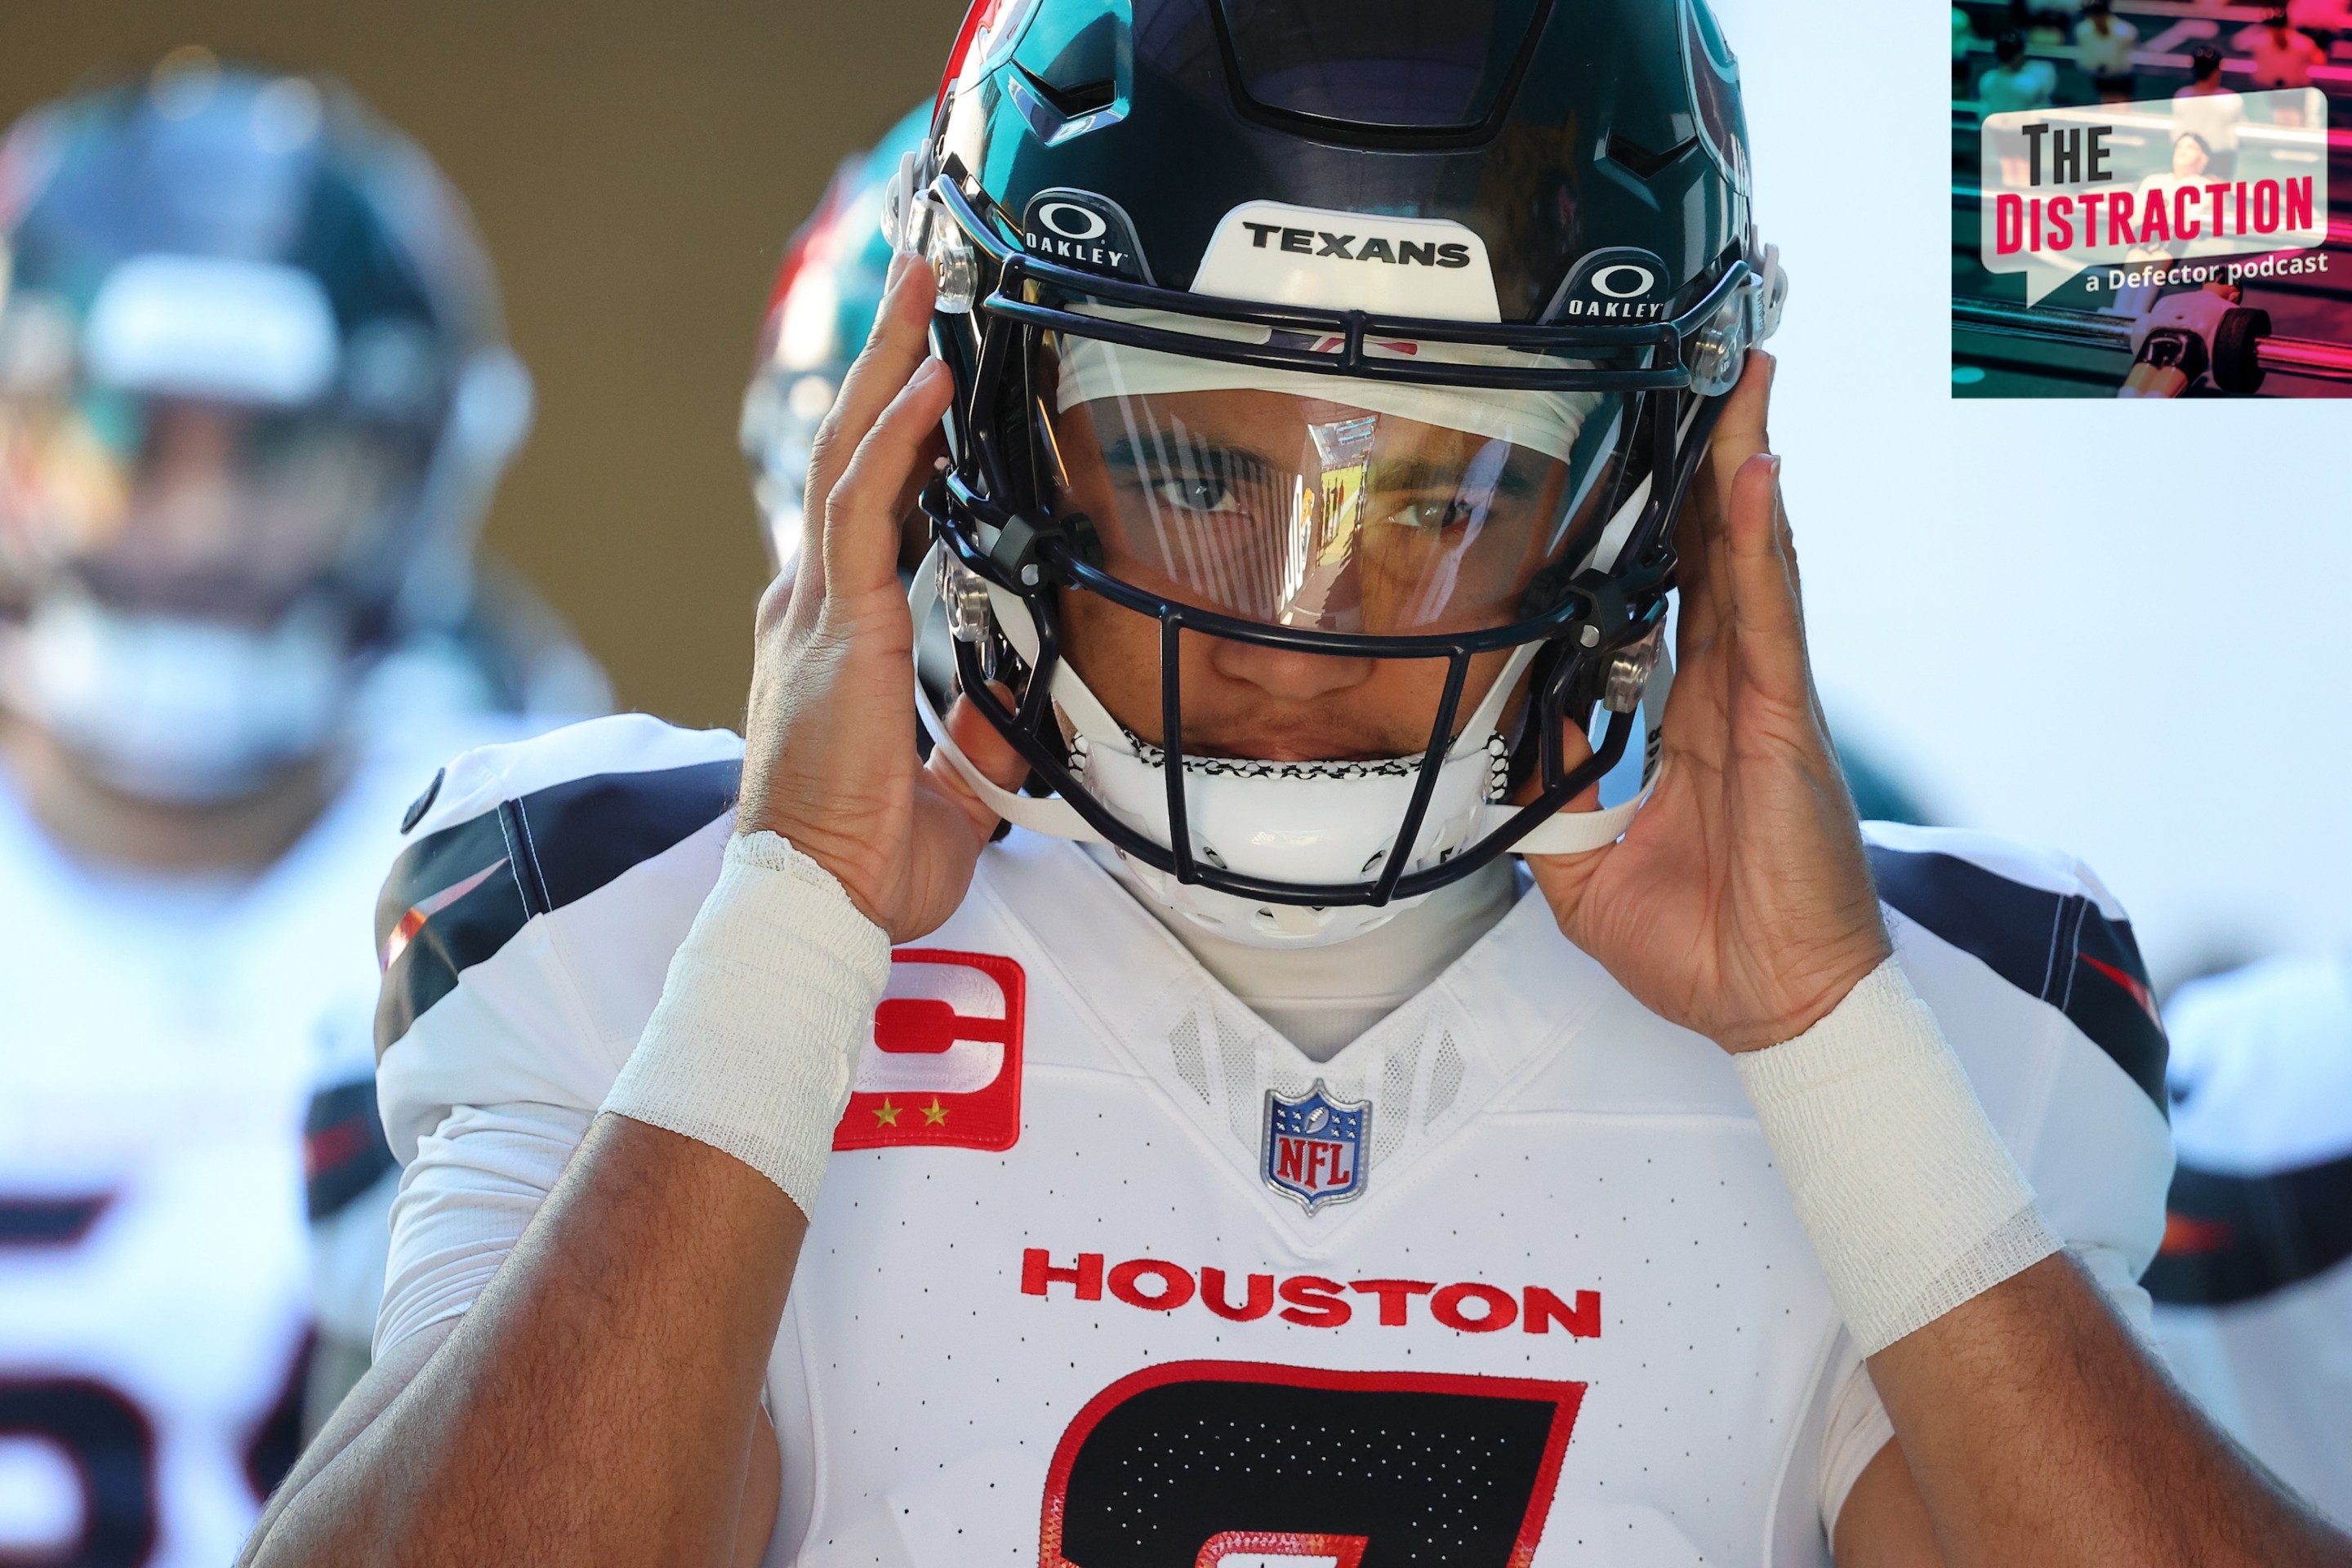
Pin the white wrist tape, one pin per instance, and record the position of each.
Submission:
(753, 1044)
(1911, 1199)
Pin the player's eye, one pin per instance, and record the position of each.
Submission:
(1432, 515)
(1195, 493)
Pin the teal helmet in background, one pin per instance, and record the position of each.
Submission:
(819, 313)
(255, 395)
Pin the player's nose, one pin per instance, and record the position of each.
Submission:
(1283, 673)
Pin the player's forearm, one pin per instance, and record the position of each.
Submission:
(598, 1404)
(2040, 1432)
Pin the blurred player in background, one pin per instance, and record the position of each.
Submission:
(819, 313)
(2254, 1285)
(2210, 112)
(2320, 20)
(2283, 57)
(2104, 45)
(2015, 82)
(254, 396)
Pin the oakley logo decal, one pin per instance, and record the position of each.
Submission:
(1625, 281)
(1083, 229)
(1072, 221)
(1620, 283)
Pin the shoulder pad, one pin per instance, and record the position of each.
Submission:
(2039, 920)
(2261, 1065)
(2261, 1088)
(423, 803)
(343, 1149)
(2232, 1238)
(522, 829)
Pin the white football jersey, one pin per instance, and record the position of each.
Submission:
(181, 1062)
(1108, 1272)
(2254, 1285)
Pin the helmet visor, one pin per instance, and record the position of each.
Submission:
(1323, 503)
(203, 505)
(195, 508)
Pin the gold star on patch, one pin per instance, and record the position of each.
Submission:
(885, 1115)
(935, 1114)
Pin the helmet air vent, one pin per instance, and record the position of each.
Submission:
(1083, 98)
(1382, 65)
(1638, 160)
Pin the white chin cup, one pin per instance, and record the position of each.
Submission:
(1310, 823)
(173, 708)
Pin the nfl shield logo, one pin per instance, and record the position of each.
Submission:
(1315, 1146)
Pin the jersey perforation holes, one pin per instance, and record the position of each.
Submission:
(1185, 1047)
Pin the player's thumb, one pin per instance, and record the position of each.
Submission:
(982, 750)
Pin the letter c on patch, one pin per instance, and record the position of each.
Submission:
(1072, 221)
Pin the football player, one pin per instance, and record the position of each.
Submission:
(254, 393)
(2254, 1283)
(1246, 1161)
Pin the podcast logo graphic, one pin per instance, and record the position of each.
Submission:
(2153, 193)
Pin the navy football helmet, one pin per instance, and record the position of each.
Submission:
(1363, 330)
(254, 394)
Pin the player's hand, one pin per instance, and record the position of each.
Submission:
(829, 759)
(1740, 903)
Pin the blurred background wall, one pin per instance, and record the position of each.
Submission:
(636, 168)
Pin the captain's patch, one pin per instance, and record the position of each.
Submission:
(942, 1066)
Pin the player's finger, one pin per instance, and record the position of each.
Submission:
(898, 343)
(1563, 878)
(1740, 434)
(861, 514)
(1768, 614)
(1740, 431)
(914, 527)
(986, 750)
(1698, 537)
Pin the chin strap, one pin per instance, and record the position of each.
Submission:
(1049, 814)
(1565, 832)
(1575, 832)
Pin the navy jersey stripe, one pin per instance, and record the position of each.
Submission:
(343, 1148)
(457, 896)
(2237, 1238)
(2058, 948)
(49, 1221)
(425, 936)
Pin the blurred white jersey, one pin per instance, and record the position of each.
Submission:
(1107, 1270)
(2254, 1285)
(179, 1061)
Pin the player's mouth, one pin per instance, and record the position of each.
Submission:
(1298, 743)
